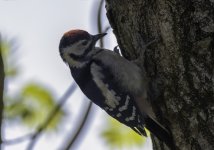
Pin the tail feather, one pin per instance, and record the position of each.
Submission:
(159, 131)
(140, 131)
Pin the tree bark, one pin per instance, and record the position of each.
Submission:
(180, 64)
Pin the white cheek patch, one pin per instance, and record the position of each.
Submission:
(76, 49)
(73, 63)
(110, 95)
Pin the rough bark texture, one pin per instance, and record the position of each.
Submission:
(180, 64)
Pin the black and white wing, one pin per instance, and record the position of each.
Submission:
(118, 102)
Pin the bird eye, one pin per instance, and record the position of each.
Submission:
(84, 42)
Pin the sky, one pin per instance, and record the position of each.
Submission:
(38, 26)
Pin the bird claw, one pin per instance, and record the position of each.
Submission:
(116, 50)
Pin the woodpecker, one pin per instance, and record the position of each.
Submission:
(115, 84)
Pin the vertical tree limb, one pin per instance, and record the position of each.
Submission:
(2, 76)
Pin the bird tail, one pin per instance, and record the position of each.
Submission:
(159, 131)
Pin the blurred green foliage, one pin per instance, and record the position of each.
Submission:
(32, 106)
(33, 102)
(119, 136)
(9, 49)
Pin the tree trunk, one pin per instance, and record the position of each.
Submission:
(180, 64)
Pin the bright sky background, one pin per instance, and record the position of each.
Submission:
(38, 26)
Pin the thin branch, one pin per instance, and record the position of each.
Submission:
(80, 127)
(106, 29)
(18, 139)
(99, 20)
(64, 98)
(2, 76)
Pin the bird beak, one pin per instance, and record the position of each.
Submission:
(98, 36)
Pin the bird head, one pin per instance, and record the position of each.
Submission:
(75, 45)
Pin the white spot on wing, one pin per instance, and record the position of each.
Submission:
(106, 108)
(132, 117)
(119, 115)
(124, 107)
(111, 99)
(138, 118)
(133, 113)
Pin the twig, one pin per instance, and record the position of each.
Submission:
(51, 116)
(18, 139)
(99, 20)
(80, 127)
(2, 76)
(106, 29)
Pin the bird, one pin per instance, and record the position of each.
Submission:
(115, 84)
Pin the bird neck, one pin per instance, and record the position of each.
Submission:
(80, 73)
